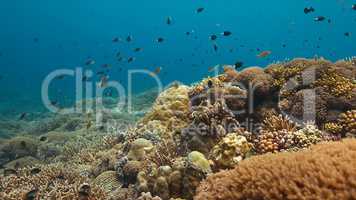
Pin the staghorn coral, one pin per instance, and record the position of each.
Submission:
(49, 182)
(348, 122)
(326, 171)
(230, 151)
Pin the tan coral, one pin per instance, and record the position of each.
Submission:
(326, 171)
(348, 122)
(230, 151)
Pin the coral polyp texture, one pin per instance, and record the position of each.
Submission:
(277, 131)
(326, 171)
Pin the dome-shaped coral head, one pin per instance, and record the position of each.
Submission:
(230, 73)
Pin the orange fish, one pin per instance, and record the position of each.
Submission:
(264, 54)
(156, 71)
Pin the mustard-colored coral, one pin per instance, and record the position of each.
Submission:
(337, 84)
(348, 122)
(326, 171)
(171, 108)
(230, 151)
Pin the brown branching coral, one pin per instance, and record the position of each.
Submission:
(277, 123)
(164, 153)
(337, 84)
(348, 122)
(326, 171)
(48, 182)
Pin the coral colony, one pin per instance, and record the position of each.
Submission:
(249, 134)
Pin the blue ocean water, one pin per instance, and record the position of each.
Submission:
(40, 36)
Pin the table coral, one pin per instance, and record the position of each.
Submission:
(326, 171)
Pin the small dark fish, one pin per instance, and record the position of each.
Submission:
(103, 81)
(284, 45)
(85, 79)
(22, 116)
(120, 59)
(118, 54)
(31, 195)
(106, 66)
(187, 33)
(60, 77)
(329, 21)
(35, 171)
(100, 73)
(213, 37)
(115, 40)
(210, 84)
(353, 7)
(131, 59)
(238, 64)
(54, 103)
(309, 10)
(215, 47)
(36, 40)
(90, 62)
(319, 19)
(199, 10)
(129, 38)
(169, 20)
(160, 40)
(347, 34)
(138, 49)
(226, 33)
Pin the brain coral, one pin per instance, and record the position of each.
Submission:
(326, 171)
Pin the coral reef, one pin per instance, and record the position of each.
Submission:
(48, 182)
(255, 120)
(326, 171)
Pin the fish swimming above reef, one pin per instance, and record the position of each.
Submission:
(129, 38)
(160, 40)
(353, 7)
(226, 33)
(23, 116)
(238, 64)
(319, 19)
(199, 10)
(138, 49)
(309, 10)
(169, 20)
(264, 54)
(213, 37)
(90, 62)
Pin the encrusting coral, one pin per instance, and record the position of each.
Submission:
(348, 122)
(326, 171)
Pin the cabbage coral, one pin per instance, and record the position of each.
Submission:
(326, 171)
